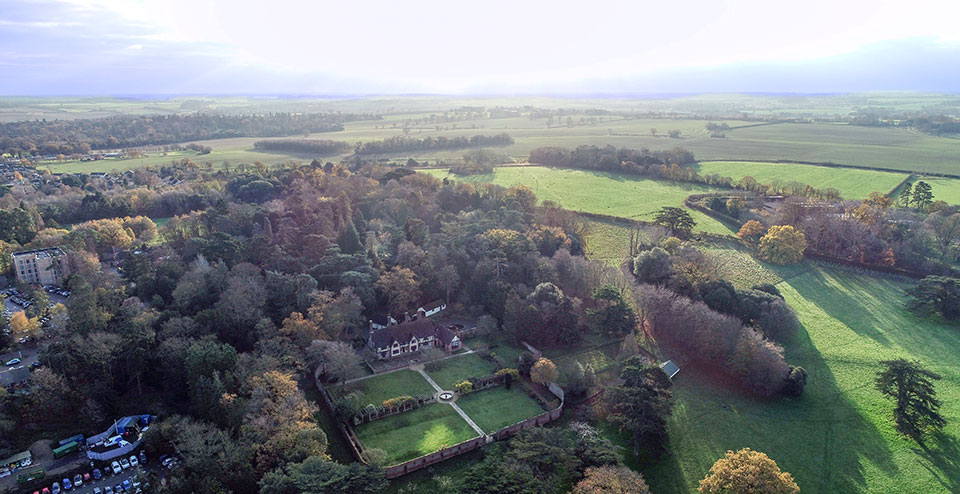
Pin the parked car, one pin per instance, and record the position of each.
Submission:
(67, 485)
(143, 458)
(126, 485)
(118, 488)
(97, 474)
(87, 478)
(116, 468)
(108, 490)
(124, 463)
(134, 461)
(97, 490)
(77, 480)
(55, 488)
(13, 362)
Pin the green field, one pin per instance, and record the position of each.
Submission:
(377, 389)
(460, 368)
(600, 192)
(944, 189)
(495, 408)
(412, 434)
(838, 437)
(851, 182)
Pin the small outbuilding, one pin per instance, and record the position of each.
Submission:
(669, 368)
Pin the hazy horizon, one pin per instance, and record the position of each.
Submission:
(176, 47)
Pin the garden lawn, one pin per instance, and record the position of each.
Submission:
(460, 368)
(606, 193)
(851, 182)
(412, 434)
(495, 408)
(839, 436)
(377, 389)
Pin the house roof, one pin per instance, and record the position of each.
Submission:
(404, 332)
(670, 368)
(14, 376)
(435, 304)
(380, 319)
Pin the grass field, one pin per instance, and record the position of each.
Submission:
(944, 189)
(495, 408)
(415, 433)
(600, 192)
(457, 369)
(852, 183)
(383, 387)
(838, 437)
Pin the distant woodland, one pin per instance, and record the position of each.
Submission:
(43, 137)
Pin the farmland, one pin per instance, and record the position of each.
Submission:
(850, 322)
(851, 182)
(944, 189)
(600, 192)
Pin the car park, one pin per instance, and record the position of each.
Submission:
(116, 468)
(124, 463)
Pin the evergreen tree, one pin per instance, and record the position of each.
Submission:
(349, 240)
(922, 194)
(918, 409)
(906, 195)
(642, 404)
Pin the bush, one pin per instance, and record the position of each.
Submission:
(783, 244)
(397, 401)
(526, 363)
(464, 387)
(795, 382)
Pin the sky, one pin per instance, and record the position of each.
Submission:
(354, 47)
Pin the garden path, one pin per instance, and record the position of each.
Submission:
(419, 368)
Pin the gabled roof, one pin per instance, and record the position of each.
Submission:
(380, 319)
(445, 335)
(433, 305)
(404, 332)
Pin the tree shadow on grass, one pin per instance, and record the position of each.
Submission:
(841, 307)
(942, 460)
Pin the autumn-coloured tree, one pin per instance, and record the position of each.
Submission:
(544, 371)
(300, 329)
(400, 287)
(610, 479)
(751, 231)
(783, 244)
(878, 200)
(21, 325)
(747, 472)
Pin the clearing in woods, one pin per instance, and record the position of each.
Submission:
(600, 192)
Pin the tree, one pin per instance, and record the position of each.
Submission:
(678, 221)
(400, 287)
(336, 359)
(642, 404)
(945, 230)
(918, 409)
(613, 315)
(544, 371)
(611, 480)
(905, 198)
(922, 194)
(936, 295)
(751, 231)
(21, 325)
(783, 244)
(747, 472)
(653, 266)
(878, 200)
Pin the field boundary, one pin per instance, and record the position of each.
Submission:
(830, 164)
